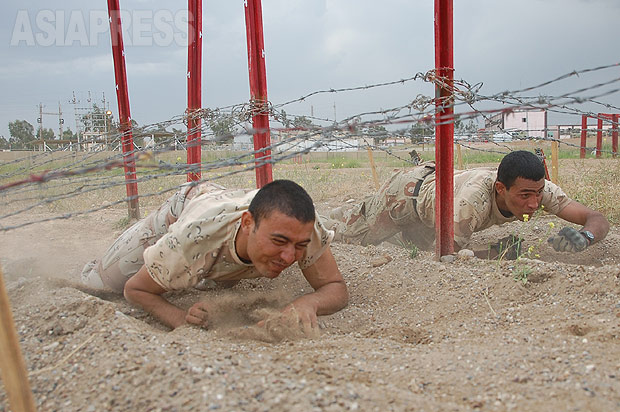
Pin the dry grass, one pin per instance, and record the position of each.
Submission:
(593, 182)
(329, 178)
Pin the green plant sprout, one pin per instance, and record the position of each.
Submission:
(522, 270)
(511, 247)
(411, 248)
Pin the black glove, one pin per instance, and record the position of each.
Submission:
(568, 240)
(508, 247)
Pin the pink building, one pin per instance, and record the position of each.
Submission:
(532, 123)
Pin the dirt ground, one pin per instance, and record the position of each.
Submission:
(417, 335)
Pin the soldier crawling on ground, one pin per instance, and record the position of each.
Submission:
(207, 233)
(483, 197)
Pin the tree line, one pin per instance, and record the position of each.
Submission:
(22, 136)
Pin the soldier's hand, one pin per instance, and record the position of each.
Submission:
(306, 318)
(198, 314)
(568, 239)
(508, 247)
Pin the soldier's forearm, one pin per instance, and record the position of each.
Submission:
(141, 290)
(598, 225)
(164, 311)
(326, 300)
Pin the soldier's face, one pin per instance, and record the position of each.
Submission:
(523, 197)
(277, 242)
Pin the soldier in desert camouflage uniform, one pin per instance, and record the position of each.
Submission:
(483, 197)
(209, 233)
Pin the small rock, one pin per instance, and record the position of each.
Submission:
(51, 346)
(21, 282)
(380, 260)
(120, 314)
(465, 253)
(447, 258)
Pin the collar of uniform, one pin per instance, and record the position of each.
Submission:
(232, 247)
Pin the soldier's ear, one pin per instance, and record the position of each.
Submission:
(247, 221)
(500, 188)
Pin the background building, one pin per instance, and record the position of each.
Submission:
(528, 123)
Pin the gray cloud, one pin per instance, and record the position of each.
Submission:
(310, 46)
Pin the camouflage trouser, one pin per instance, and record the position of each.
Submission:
(390, 214)
(124, 258)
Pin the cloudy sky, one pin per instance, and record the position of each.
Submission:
(51, 50)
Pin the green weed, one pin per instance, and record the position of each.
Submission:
(342, 163)
(412, 249)
(122, 223)
(521, 272)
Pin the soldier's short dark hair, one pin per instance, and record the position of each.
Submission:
(285, 196)
(520, 163)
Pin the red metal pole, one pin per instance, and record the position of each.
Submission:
(258, 90)
(122, 96)
(614, 135)
(194, 84)
(584, 136)
(599, 136)
(444, 130)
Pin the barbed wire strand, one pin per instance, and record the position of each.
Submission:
(80, 176)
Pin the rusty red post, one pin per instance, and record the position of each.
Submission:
(614, 135)
(194, 84)
(444, 130)
(122, 96)
(584, 136)
(258, 91)
(599, 135)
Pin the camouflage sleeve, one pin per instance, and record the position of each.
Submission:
(465, 221)
(554, 199)
(167, 265)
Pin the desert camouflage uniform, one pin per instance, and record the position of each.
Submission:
(190, 238)
(397, 209)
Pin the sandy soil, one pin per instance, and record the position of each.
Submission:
(418, 334)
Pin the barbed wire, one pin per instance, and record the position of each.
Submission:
(71, 175)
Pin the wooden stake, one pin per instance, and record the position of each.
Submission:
(373, 168)
(459, 157)
(555, 148)
(13, 369)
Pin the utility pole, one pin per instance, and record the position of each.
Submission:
(40, 121)
(74, 102)
(61, 121)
